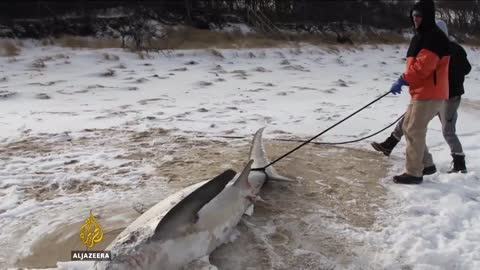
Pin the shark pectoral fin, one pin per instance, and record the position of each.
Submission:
(186, 211)
(242, 180)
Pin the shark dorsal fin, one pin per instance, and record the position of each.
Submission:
(185, 212)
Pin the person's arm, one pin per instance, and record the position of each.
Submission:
(423, 66)
(465, 64)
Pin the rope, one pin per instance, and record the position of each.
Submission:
(313, 138)
(345, 142)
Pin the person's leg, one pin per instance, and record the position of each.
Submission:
(449, 122)
(415, 126)
(449, 125)
(398, 131)
(387, 146)
(428, 164)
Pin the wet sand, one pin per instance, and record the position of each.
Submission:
(297, 225)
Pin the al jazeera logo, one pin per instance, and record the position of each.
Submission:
(91, 233)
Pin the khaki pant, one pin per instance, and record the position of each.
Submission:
(415, 123)
(449, 129)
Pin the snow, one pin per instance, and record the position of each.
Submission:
(237, 27)
(301, 91)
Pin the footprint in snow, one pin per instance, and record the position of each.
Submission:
(256, 90)
(147, 101)
(241, 74)
(179, 69)
(141, 80)
(284, 93)
(76, 92)
(111, 57)
(340, 83)
(160, 77)
(303, 88)
(121, 66)
(94, 86)
(5, 94)
(329, 91)
(204, 83)
(47, 83)
(262, 69)
(42, 96)
(296, 68)
(108, 73)
(280, 54)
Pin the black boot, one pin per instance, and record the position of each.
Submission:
(387, 146)
(429, 170)
(458, 164)
(407, 179)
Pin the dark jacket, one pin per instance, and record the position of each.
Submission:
(428, 57)
(458, 68)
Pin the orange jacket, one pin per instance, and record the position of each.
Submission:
(427, 75)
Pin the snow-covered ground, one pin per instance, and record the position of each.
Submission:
(84, 104)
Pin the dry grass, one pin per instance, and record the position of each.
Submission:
(86, 42)
(315, 39)
(190, 38)
(177, 38)
(330, 39)
(472, 41)
(9, 47)
(383, 38)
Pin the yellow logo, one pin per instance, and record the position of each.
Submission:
(91, 232)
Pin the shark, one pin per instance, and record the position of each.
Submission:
(188, 225)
